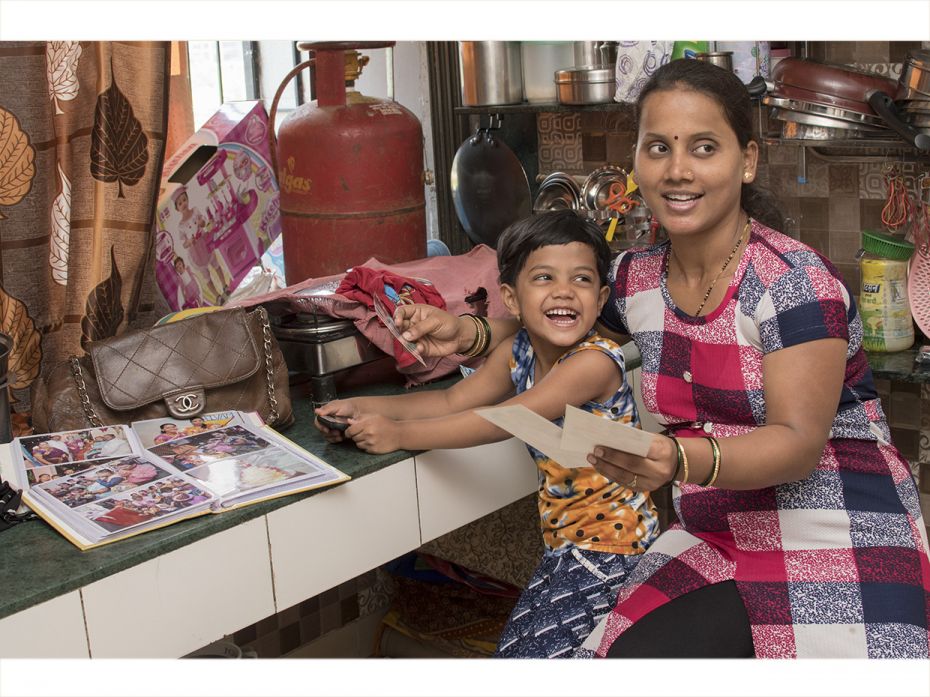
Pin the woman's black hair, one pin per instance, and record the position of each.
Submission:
(523, 237)
(725, 88)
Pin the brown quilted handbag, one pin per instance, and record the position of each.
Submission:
(215, 361)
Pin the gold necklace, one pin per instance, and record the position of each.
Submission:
(719, 273)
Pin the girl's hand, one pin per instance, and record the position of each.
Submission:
(638, 473)
(436, 332)
(338, 407)
(374, 433)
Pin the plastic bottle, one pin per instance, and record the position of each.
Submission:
(883, 303)
(688, 49)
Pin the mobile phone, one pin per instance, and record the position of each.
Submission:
(339, 423)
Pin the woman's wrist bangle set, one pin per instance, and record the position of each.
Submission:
(482, 336)
(682, 466)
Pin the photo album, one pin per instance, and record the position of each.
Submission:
(101, 484)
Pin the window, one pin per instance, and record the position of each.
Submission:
(226, 71)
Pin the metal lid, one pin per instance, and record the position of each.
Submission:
(584, 74)
(558, 191)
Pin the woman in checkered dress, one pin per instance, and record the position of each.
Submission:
(800, 532)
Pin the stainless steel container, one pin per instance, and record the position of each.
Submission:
(585, 85)
(586, 53)
(491, 72)
(723, 59)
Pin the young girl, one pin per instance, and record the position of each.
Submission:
(553, 275)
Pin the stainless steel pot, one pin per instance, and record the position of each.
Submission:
(585, 85)
(491, 72)
(722, 59)
(914, 82)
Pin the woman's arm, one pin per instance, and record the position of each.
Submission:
(802, 386)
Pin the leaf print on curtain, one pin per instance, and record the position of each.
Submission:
(59, 243)
(17, 157)
(61, 59)
(104, 309)
(119, 146)
(26, 354)
(76, 256)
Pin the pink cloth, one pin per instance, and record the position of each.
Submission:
(453, 277)
(363, 285)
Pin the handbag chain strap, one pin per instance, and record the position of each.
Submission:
(82, 391)
(269, 373)
(269, 367)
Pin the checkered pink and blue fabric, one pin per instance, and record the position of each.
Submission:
(833, 565)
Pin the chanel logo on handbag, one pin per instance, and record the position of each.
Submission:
(186, 403)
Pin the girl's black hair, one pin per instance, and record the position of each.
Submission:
(525, 236)
(725, 88)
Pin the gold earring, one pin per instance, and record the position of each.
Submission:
(746, 175)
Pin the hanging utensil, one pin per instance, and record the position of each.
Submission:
(489, 186)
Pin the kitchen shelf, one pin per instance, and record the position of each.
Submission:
(867, 148)
(527, 108)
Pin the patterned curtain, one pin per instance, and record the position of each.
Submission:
(82, 141)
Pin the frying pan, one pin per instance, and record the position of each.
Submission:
(489, 187)
(853, 86)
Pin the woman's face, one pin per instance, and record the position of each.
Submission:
(689, 164)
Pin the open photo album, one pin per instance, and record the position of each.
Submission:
(101, 484)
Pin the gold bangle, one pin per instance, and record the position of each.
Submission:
(469, 352)
(487, 334)
(715, 447)
(682, 460)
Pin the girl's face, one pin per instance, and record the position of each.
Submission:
(689, 164)
(558, 294)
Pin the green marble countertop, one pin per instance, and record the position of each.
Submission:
(38, 564)
(898, 366)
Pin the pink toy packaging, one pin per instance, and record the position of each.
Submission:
(218, 209)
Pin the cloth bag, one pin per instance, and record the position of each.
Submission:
(215, 361)
(636, 62)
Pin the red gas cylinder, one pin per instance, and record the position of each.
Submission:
(350, 170)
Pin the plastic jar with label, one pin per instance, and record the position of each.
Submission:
(883, 304)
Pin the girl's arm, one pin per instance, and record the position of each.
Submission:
(802, 386)
(488, 385)
(585, 376)
(440, 333)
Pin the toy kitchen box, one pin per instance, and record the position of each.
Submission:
(218, 209)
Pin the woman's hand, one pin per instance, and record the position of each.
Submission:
(436, 332)
(638, 473)
(338, 407)
(374, 433)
